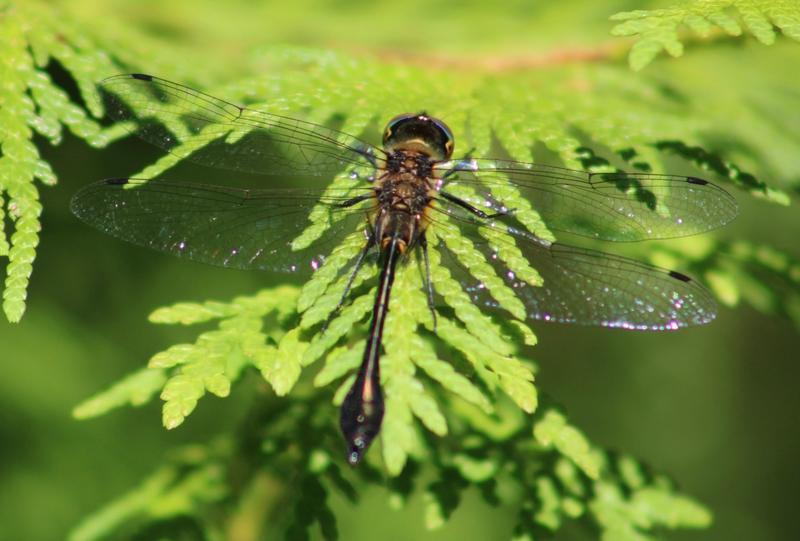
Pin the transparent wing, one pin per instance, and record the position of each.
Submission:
(227, 227)
(609, 206)
(216, 133)
(580, 286)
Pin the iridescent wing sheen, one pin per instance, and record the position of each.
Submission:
(293, 230)
(217, 133)
(608, 206)
(227, 227)
(579, 286)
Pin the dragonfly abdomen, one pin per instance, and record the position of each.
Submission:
(363, 407)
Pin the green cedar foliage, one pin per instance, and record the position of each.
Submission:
(657, 30)
(462, 408)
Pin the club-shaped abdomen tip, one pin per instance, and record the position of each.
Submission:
(360, 421)
(355, 454)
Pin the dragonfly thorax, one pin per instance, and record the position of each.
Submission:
(404, 198)
(407, 162)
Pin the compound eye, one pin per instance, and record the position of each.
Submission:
(393, 123)
(421, 133)
(448, 140)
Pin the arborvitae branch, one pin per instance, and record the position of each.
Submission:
(657, 30)
(462, 400)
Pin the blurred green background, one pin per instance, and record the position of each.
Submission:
(716, 407)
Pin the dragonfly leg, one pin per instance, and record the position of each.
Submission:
(359, 263)
(423, 244)
(474, 210)
(356, 200)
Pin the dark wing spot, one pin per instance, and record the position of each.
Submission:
(695, 180)
(679, 276)
(117, 181)
(142, 76)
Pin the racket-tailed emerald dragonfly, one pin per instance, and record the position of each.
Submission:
(397, 197)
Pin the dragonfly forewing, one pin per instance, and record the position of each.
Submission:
(217, 133)
(218, 225)
(616, 206)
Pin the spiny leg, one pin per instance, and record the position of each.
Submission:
(468, 164)
(474, 210)
(423, 244)
(356, 200)
(359, 261)
(362, 255)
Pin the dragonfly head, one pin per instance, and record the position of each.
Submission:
(421, 133)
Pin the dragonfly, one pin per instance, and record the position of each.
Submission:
(394, 198)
